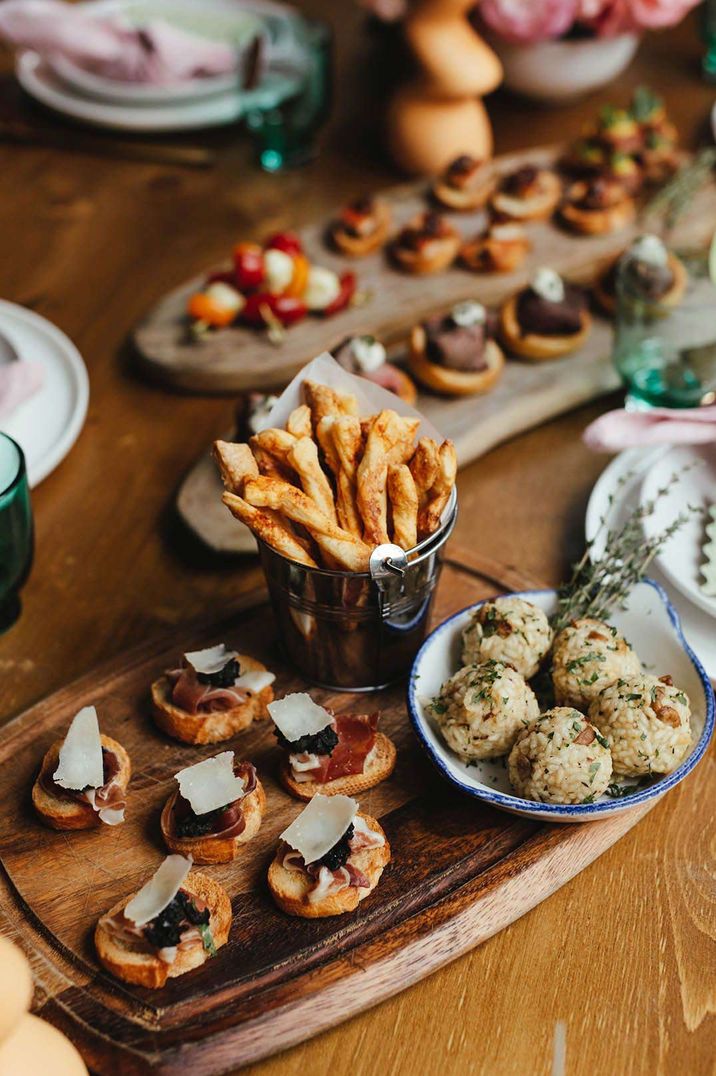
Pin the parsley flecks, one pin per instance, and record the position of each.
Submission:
(207, 939)
(577, 663)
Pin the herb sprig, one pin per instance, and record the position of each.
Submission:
(601, 584)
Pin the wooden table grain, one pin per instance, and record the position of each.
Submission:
(620, 965)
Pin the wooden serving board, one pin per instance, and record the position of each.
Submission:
(240, 359)
(460, 873)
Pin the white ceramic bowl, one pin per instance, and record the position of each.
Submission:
(558, 71)
(650, 623)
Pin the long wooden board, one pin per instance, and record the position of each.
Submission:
(460, 873)
(241, 359)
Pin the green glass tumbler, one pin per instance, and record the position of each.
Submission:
(666, 354)
(285, 135)
(16, 530)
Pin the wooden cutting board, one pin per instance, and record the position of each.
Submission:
(240, 359)
(460, 872)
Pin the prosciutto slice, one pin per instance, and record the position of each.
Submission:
(193, 697)
(356, 739)
(329, 882)
(231, 822)
(109, 801)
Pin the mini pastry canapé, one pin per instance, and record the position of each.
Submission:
(212, 695)
(365, 356)
(456, 354)
(529, 193)
(547, 319)
(501, 248)
(329, 753)
(652, 274)
(217, 807)
(596, 206)
(83, 779)
(362, 227)
(427, 245)
(465, 184)
(328, 860)
(175, 923)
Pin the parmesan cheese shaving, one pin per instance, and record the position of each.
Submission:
(298, 715)
(159, 891)
(254, 681)
(80, 764)
(211, 783)
(320, 826)
(211, 660)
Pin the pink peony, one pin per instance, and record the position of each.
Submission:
(606, 17)
(654, 14)
(525, 21)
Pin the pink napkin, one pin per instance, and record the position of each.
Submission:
(18, 381)
(155, 53)
(618, 430)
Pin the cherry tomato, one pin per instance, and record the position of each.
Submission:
(248, 266)
(286, 309)
(341, 301)
(286, 241)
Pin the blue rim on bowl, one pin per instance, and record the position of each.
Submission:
(554, 810)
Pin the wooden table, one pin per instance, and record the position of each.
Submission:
(622, 960)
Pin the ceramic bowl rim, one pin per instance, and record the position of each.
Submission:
(558, 810)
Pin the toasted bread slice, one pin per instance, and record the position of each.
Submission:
(534, 346)
(60, 813)
(146, 969)
(598, 221)
(219, 849)
(290, 889)
(381, 766)
(453, 382)
(209, 728)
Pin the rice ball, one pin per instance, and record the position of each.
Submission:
(481, 709)
(647, 723)
(510, 630)
(589, 655)
(560, 758)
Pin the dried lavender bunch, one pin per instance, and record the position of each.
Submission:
(599, 585)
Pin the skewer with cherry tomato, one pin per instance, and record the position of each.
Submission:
(270, 287)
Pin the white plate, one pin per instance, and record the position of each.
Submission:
(39, 80)
(681, 558)
(615, 496)
(652, 625)
(47, 425)
(218, 20)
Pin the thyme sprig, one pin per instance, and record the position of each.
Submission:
(598, 585)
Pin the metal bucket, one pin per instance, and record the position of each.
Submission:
(353, 631)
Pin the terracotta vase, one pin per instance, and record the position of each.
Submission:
(440, 115)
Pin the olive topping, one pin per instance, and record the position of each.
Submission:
(337, 856)
(317, 743)
(165, 929)
(225, 677)
(193, 825)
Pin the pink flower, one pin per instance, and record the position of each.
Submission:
(653, 14)
(526, 21)
(607, 17)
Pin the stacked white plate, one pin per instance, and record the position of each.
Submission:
(688, 473)
(83, 95)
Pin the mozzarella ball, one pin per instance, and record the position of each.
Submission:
(481, 709)
(560, 758)
(647, 723)
(508, 629)
(589, 655)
